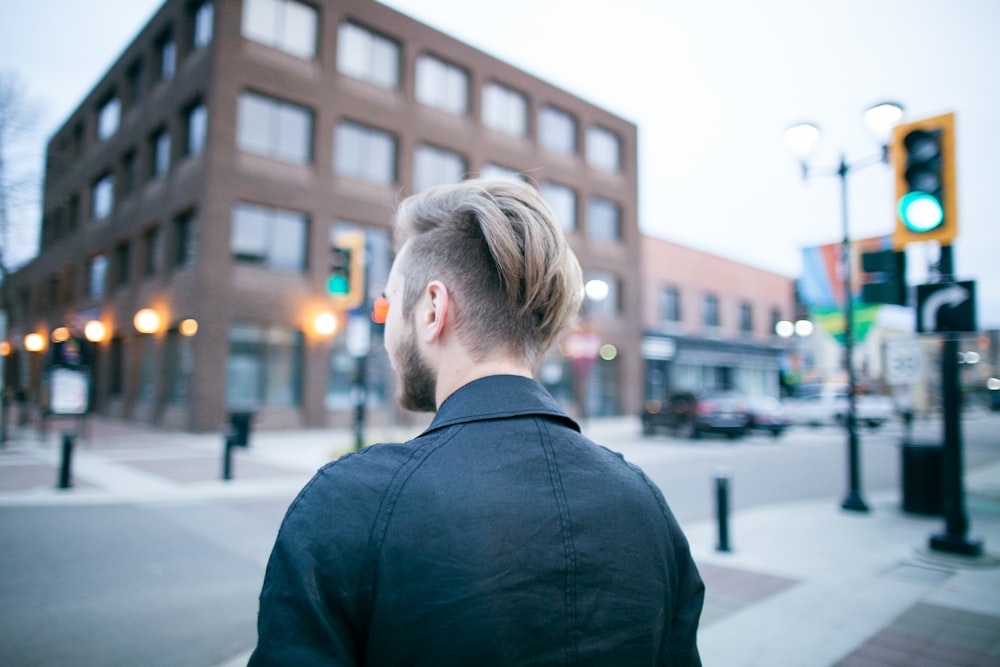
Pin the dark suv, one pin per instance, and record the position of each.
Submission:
(690, 415)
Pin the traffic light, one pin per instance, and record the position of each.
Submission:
(380, 310)
(891, 267)
(923, 155)
(346, 282)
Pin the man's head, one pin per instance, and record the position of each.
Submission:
(513, 283)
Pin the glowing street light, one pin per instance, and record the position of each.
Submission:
(801, 139)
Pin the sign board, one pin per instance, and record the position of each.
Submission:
(903, 361)
(359, 336)
(946, 307)
(68, 391)
(658, 348)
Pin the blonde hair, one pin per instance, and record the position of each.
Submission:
(495, 244)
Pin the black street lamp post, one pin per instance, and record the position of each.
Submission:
(801, 138)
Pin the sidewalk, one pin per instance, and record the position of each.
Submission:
(806, 583)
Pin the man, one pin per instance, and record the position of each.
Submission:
(501, 535)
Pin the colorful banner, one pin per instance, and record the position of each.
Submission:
(822, 286)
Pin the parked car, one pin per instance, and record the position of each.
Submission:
(691, 415)
(767, 414)
(829, 405)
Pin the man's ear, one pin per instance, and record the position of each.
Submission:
(436, 306)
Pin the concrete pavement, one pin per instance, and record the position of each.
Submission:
(805, 583)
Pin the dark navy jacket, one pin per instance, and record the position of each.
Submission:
(499, 536)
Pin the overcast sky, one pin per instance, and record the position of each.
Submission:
(711, 86)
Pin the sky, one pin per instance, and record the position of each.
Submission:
(711, 85)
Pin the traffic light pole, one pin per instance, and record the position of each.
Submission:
(955, 538)
(853, 501)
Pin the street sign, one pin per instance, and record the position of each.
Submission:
(946, 307)
(358, 340)
(69, 389)
(903, 363)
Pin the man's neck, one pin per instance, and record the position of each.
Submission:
(451, 378)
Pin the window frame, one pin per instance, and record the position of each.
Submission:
(437, 158)
(600, 140)
(362, 53)
(356, 149)
(603, 232)
(504, 109)
(275, 33)
(102, 193)
(436, 85)
(278, 113)
(247, 213)
(549, 117)
(549, 188)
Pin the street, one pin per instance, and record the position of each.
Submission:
(175, 582)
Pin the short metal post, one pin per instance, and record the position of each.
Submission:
(722, 509)
(65, 466)
(227, 458)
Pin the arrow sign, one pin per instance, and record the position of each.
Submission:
(946, 307)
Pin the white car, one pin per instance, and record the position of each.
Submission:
(830, 406)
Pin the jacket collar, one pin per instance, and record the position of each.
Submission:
(498, 397)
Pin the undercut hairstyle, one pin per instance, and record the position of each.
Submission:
(515, 283)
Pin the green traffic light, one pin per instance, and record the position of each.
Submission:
(920, 212)
(337, 285)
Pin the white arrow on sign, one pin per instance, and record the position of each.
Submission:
(950, 296)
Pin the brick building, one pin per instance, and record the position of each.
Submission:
(206, 174)
(709, 322)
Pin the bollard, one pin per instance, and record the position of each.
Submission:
(65, 477)
(227, 458)
(722, 509)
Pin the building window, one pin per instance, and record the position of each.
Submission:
(496, 171)
(97, 274)
(287, 25)
(557, 130)
(442, 85)
(134, 75)
(272, 237)
(562, 200)
(775, 318)
(130, 173)
(603, 149)
(746, 318)
(203, 18)
(436, 166)
(182, 249)
(160, 154)
(505, 110)
(108, 118)
(103, 197)
(711, 313)
(123, 263)
(274, 129)
(167, 50)
(368, 56)
(603, 220)
(180, 363)
(670, 304)
(609, 306)
(264, 367)
(364, 153)
(153, 251)
(197, 129)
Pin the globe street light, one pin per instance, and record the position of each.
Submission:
(801, 139)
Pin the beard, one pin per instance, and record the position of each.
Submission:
(417, 384)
